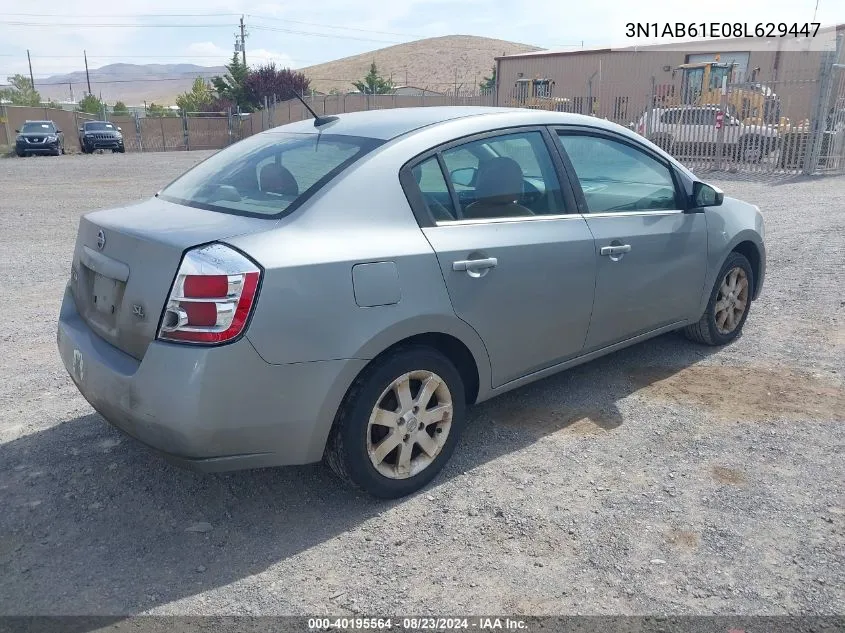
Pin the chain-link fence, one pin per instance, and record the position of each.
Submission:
(710, 118)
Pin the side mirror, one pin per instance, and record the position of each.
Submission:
(120, 129)
(464, 176)
(58, 131)
(704, 195)
(81, 129)
(17, 131)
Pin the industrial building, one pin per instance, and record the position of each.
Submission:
(618, 84)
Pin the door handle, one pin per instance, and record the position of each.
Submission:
(475, 264)
(615, 250)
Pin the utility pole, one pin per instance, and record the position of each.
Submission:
(87, 76)
(243, 42)
(31, 78)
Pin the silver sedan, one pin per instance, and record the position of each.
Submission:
(343, 288)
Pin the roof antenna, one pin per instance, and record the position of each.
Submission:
(318, 120)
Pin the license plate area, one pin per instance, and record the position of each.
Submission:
(104, 298)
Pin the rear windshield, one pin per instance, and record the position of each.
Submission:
(99, 125)
(29, 128)
(268, 174)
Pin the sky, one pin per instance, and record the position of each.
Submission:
(298, 34)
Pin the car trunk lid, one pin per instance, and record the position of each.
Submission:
(125, 261)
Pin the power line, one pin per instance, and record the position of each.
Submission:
(84, 25)
(205, 15)
(330, 26)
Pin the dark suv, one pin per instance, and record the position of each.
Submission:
(94, 135)
(39, 137)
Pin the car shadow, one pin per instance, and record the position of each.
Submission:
(95, 523)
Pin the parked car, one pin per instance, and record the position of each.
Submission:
(343, 290)
(691, 131)
(39, 137)
(94, 135)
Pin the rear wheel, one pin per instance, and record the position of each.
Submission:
(399, 423)
(727, 309)
(750, 150)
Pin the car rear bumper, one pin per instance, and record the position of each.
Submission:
(209, 409)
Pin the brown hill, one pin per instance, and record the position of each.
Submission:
(435, 63)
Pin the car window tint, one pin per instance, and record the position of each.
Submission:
(268, 173)
(511, 175)
(435, 192)
(520, 149)
(460, 158)
(617, 177)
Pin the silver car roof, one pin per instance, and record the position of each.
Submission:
(387, 124)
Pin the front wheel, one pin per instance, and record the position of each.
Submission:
(399, 423)
(727, 309)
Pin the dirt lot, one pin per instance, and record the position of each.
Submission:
(667, 478)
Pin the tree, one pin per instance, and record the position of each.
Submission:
(373, 83)
(489, 83)
(90, 105)
(20, 91)
(120, 109)
(231, 85)
(154, 110)
(198, 98)
(269, 81)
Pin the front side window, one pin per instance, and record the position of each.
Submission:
(617, 177)
(511, 175)
(267, 174)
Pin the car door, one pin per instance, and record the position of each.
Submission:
(516, 256)
(650, 254)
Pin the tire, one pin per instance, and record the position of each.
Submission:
(750, 150)
(122, 150)
(353, 438)
(20, 154)
(708, 331)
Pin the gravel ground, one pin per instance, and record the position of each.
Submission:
(666, 478)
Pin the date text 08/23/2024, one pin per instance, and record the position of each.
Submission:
(417, 624)
(721, 29)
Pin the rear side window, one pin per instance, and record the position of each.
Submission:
(269, 174)
(673, 116)
(434, 190)
(700, 116)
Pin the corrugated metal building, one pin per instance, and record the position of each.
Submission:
(618, 83)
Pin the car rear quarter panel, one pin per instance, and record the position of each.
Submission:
(307, 309)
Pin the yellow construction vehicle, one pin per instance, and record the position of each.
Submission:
(751, 102)
(538, 94)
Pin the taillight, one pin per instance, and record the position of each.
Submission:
(211, 298)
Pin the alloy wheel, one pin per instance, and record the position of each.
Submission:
(409, 424)
(732, 301)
